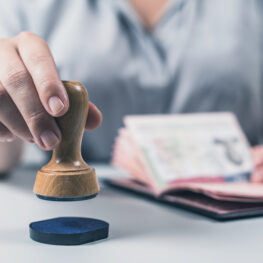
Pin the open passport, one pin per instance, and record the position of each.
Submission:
(200, 162)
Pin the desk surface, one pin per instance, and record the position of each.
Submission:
(140, 231)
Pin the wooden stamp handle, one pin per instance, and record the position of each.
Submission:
(67, 176)
(68, 153)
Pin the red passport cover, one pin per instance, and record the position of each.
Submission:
(195, 202)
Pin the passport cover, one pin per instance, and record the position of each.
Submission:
(192, 201)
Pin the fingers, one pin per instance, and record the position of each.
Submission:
(18, 83)
(11, 118)
(31, 92)
(94, 117)
(40, 64)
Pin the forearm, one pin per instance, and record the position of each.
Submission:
(10, 154)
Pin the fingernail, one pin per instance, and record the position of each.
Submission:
(56, 105)
(49, 139)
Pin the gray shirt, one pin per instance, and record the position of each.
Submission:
(204, 55)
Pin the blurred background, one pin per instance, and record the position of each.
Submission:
(151, 57)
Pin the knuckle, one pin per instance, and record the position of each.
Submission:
(25, 35)
(35, 117)
(47, 84)
(29, 36)
(16, 77)
(36, 58)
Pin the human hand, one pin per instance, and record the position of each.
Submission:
(32, 94)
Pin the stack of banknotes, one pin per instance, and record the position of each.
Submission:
(164, 151)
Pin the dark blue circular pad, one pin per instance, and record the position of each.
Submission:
(68, 230)
(65, 199)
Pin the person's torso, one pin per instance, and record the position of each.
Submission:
(202, 56)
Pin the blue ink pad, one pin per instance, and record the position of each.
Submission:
(68, 230)
(65, 199)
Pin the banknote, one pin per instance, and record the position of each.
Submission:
(164, 149)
